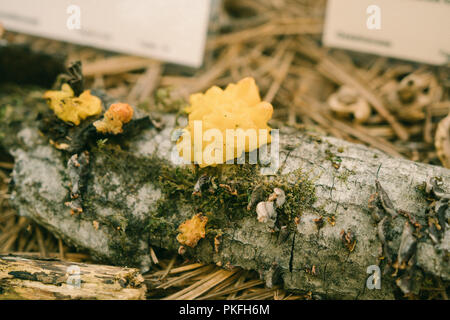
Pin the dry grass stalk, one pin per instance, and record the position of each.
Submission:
(115, 65)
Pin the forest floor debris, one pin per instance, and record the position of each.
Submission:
(278, 46)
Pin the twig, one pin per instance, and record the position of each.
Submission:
(280, 75)
(40, 238)
(115, 65)
(169, 267)
(146, 84)
(7, 165)
(61, 249)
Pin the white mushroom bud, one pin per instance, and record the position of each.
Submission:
(413, 85)
(347, 101)
(181, 250)
(278, 196)
(265, 211)
(409, 97)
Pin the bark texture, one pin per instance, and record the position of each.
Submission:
(49, 279)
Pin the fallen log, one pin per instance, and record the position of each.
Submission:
(348, 208)
(49, 279)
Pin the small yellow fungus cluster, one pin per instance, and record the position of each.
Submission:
(73, 109)
(192, 230)
(237, 109)
(117, 115)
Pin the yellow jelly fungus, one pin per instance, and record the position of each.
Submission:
(192, 230)
(235, 118)
(73, 109)
(117, 115)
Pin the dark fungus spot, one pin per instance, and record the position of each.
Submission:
(122, 283)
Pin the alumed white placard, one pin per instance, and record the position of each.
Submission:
(416, 30)
(169, 30)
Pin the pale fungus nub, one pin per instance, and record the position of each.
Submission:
(347, 101)
(265, 211)
(409, 97)
(412, 85)
(181, 250)
(280, 197)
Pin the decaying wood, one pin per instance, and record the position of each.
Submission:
(132, 200)
(33, 278)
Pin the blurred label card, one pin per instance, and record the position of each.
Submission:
(169, 30)
(416, 30)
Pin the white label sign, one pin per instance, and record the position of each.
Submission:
(416, 30)
(169, 30)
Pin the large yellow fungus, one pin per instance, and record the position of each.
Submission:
(192, 230)
(230, 121)
(73, 109)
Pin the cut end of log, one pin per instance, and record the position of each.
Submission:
(51, 279)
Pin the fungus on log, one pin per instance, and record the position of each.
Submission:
(133, 197)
